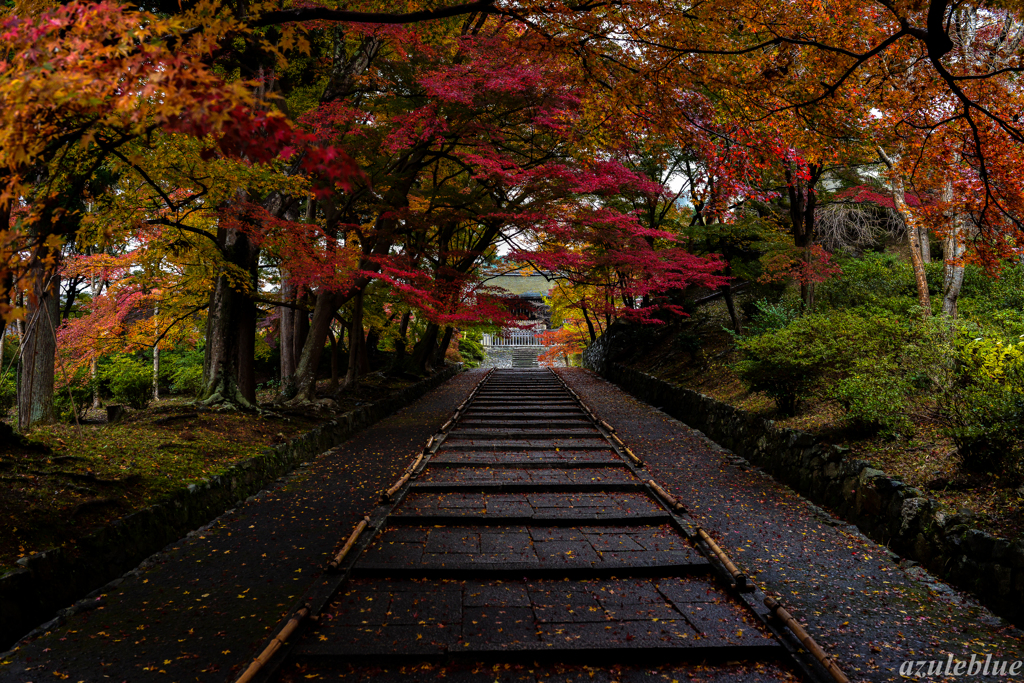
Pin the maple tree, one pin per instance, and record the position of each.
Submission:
(361, 146)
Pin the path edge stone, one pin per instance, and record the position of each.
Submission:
(897, 516)
(55, 578)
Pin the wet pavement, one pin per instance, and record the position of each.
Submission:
(868, 610)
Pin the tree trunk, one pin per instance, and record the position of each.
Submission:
(442, 348)
(39, 352)
(92, 361)
(913, 233)
(228, 365)
(300, 328)
(285, 325)
(156, 354)
(356, 342)
(953, 248)
(247, 313)
(423, 352)
(335, 358)
(590, 325)
(403, 333)
(737, 324)
(309, 360)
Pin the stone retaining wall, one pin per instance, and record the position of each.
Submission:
(895, 515)
(51, 580)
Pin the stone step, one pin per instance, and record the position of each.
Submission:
(582, 443)
(520, 458)
(690, 615)
(565, 504)
(473, 476)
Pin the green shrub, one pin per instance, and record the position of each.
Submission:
(8, 392)
(881, 282)
(984, 409)
(72, 402)
(985, 423)
(814, 352)
(185, 370)
(791, 363)
(188, 380)
(768, 317)
(471, 348)
(130, 382)
(874, 396)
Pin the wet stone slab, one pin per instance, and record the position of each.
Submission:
(539, 432)
(568, 505)
(552, 476)
(456, 442)
(553, 414)
(436, 616)
(528, 547)
(512, 458)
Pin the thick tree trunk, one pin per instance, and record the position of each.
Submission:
(228, 366)
(309, 360)
(423, 352)
(247, 313)
(913, 233)
(39, 352)
(220, 363)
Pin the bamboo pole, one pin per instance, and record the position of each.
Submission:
(739, 577)
(806, 640)
(672, 501)
(274, 645)
(336, 562)
(625, 448)
(397, 485)
(611, 430)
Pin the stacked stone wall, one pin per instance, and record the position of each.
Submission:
(895, 515)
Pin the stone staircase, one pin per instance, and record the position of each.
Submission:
(524, 358)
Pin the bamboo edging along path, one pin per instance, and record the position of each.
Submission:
(274, 645)
(806, 640)
(356, 533)
(671, 500)
(739, 577)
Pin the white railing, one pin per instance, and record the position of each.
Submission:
(514, 338)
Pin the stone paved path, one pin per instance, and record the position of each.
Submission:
(528, 548)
